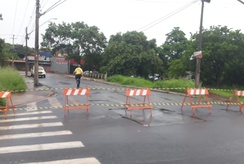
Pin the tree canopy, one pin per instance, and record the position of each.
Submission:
(77, 40)
(131, 54)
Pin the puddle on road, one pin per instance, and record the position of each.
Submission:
(160, 117)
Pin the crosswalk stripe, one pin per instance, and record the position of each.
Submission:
(30, 113)
(69, 161)
(26, 126)
(54, 102)
(41, 147)
(33, 135)
(29, 116)
(28, 119)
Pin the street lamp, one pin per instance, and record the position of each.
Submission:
(199, 48)
(48, 21)
(26, 38)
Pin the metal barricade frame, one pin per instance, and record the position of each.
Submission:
(76, 92)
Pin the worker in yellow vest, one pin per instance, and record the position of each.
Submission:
(78, 72)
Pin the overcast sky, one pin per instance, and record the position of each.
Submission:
(153, 17)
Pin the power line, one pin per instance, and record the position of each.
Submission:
(30, 24)
(241, 1)
(164, 1)
(166, 17)
(43, 3)
(15, 16)
(53, 6)
(23, 17)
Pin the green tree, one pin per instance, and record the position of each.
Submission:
(2, 56)
(78, 40)
(234, 68)
(20, 51)
(218, 52)
(6, 53)
(131, 54)
(172, 52)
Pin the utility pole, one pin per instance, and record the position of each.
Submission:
(13, 52)
(199, 48)
(26, 59)
(26, 47)
(36, 82)
(241, 1)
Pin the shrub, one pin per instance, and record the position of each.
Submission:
(11, 80)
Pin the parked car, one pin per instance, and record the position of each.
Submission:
(154, 77)
(86, 73)
(41, 72)
(90, 72)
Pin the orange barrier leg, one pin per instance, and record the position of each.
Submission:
(183, 102)
(210, 107)
(137, 105)
(241, 108)
(195, 105)
(65, 105)
(193, 111)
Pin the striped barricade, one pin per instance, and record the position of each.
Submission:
(145, 93)
(194, 105)
(76, 92)
(236, 96)
(7, 96)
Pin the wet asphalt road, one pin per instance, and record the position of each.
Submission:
(112, 137)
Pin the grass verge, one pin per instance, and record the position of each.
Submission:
(11, 80)
(178, 85)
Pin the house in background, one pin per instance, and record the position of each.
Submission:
(60, 65)
(51, 63)
(44, 60)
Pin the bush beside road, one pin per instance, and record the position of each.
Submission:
(11, 80)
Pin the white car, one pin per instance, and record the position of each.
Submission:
(41, 72)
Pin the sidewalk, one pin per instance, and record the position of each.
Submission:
(30, 95)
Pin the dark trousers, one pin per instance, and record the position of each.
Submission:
(77, 78)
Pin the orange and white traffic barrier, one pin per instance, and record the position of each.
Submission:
(194, 105)
(236, 96)
(76, 92)
(145, 93)
(7, 96)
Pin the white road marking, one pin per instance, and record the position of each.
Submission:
(70, 161)
(29, 113)
(31, 106)
(27, 126)
(54, 102)
(33, 135)
(41, 147)
(28, 119)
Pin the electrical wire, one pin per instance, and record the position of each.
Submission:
(150, 25)
(20, 28)
(53, 6)
(31, 23)
(49, 9)
(15, 16)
